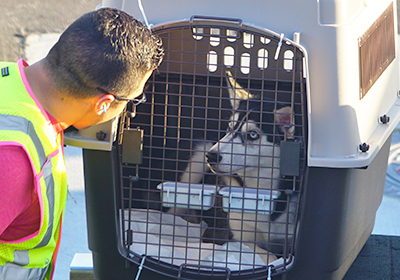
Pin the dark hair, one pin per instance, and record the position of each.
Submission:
(106, 49)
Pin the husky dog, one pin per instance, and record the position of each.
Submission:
(251, 150)
(248, 156)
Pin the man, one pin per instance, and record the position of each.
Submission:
(100, 63)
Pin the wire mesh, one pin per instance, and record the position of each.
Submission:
(209, 197)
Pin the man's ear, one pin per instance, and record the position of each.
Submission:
(103, 103)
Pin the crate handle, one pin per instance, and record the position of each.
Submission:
(205, 21)
(193, 266)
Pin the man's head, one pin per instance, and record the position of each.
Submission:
(104, 52)
(106, 49)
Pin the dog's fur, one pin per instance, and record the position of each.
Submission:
(248, 156)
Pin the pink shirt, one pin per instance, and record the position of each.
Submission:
(19, 204)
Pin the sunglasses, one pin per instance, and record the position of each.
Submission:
(133, 101)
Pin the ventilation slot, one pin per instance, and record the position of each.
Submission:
(376, 50)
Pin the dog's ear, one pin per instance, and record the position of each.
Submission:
(236, 92)
(284, 118)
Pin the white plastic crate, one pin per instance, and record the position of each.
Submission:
(330, 30)
(339, 120)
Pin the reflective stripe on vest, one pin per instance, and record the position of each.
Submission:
(21, 258)
(18, 272)
(25, 123)
(16, 123)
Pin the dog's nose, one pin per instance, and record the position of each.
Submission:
(213, 157)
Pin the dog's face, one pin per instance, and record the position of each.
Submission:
(251, 143)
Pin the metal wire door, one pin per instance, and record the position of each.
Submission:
(177, 215)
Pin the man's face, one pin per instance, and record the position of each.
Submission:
(93, 117)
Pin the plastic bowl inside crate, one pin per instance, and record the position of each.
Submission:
(185, 195)
(248, 200)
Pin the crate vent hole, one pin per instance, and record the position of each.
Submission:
(248, 40)
(214, 41)
(245, 63)
(212, 60)
(231, 33)
(198, 30)
(288, 60)
(229, 56)
(262, 59)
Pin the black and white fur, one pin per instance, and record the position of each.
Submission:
(251, 150)
(249, 156)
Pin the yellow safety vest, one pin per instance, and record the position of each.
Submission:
(23, 123)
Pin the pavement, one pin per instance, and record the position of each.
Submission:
(21, 18)
(74, 235)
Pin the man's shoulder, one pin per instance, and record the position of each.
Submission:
(6, 63)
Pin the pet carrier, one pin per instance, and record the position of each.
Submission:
(261, 150)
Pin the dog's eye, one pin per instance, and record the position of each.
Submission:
(253, 135)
